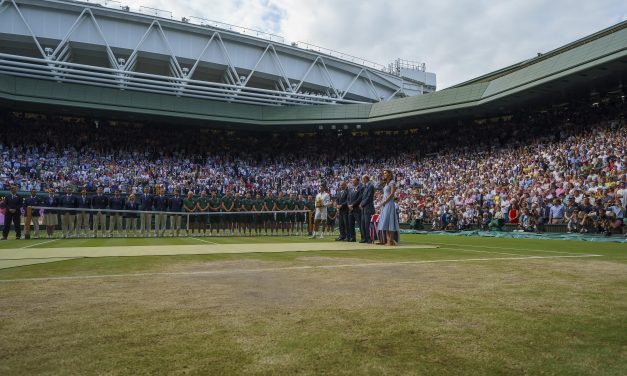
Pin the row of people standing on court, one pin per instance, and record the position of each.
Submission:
(355, 208)
(75, 223)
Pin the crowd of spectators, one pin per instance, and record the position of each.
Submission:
(559, 166)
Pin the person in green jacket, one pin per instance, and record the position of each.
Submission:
(214, 207)
(202, 206)
(189, 206)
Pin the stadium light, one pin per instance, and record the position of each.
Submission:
(121, 61)
(185, 71)
(48, 51)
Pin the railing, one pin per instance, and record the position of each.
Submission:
(161, 13)
(234, 28)
(154, 12)
(39, 68)
(340, 55)
(398, 64)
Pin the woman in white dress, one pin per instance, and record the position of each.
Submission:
(388, 219)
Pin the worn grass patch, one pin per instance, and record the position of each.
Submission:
(257, 314)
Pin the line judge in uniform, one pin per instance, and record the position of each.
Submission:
(33, 200)
(12, 205)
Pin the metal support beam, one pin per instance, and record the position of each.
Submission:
(68, 23)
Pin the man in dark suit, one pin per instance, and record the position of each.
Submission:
(33, 200)
(68, 217)
(342, 205)
(354, 211)
(131, 217)
(12, 205)
(82, 218)
(51, 218)
(115, 219)
(175, 205)
(367, 208)
(145, 219)
(100, 201)
(161, 206)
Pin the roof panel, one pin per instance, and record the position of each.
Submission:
(584, 54)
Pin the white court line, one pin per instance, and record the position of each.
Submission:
(473, 250)
(513, 249)
(36, 244)
(205, 241)
(306, 267)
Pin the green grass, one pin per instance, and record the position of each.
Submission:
(553, 316)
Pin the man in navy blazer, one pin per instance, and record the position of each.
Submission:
(367, 208)
(342, 205)
(161, 206)
(354, 211)
(12, 204)
(33, 200)
(99, 201)
(146, 202)
(68, 217)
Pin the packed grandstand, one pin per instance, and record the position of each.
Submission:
(563, 166)
(535, 144)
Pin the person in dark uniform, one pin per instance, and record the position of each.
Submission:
(82, 218)
(342, 206)
(68, 217)
(100, 202)
(131, 218)
(247, 219)
(33, 200)
(226, 206)
(176, 206)
(13, 205)
(51, 218)
(269, 204)
(281, 218)
(146, 202)
(115, 220)
(258, 218)
(237, 218)
(189, 206)
(301, 216)
(354, 210)
(367, 208)
(331, 218)
(161, 219)
(310, 206)
(202, 206)
(292, 205)
(214, 207)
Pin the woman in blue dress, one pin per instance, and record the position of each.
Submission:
(388, 219)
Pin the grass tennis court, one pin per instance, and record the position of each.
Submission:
(437, 305)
